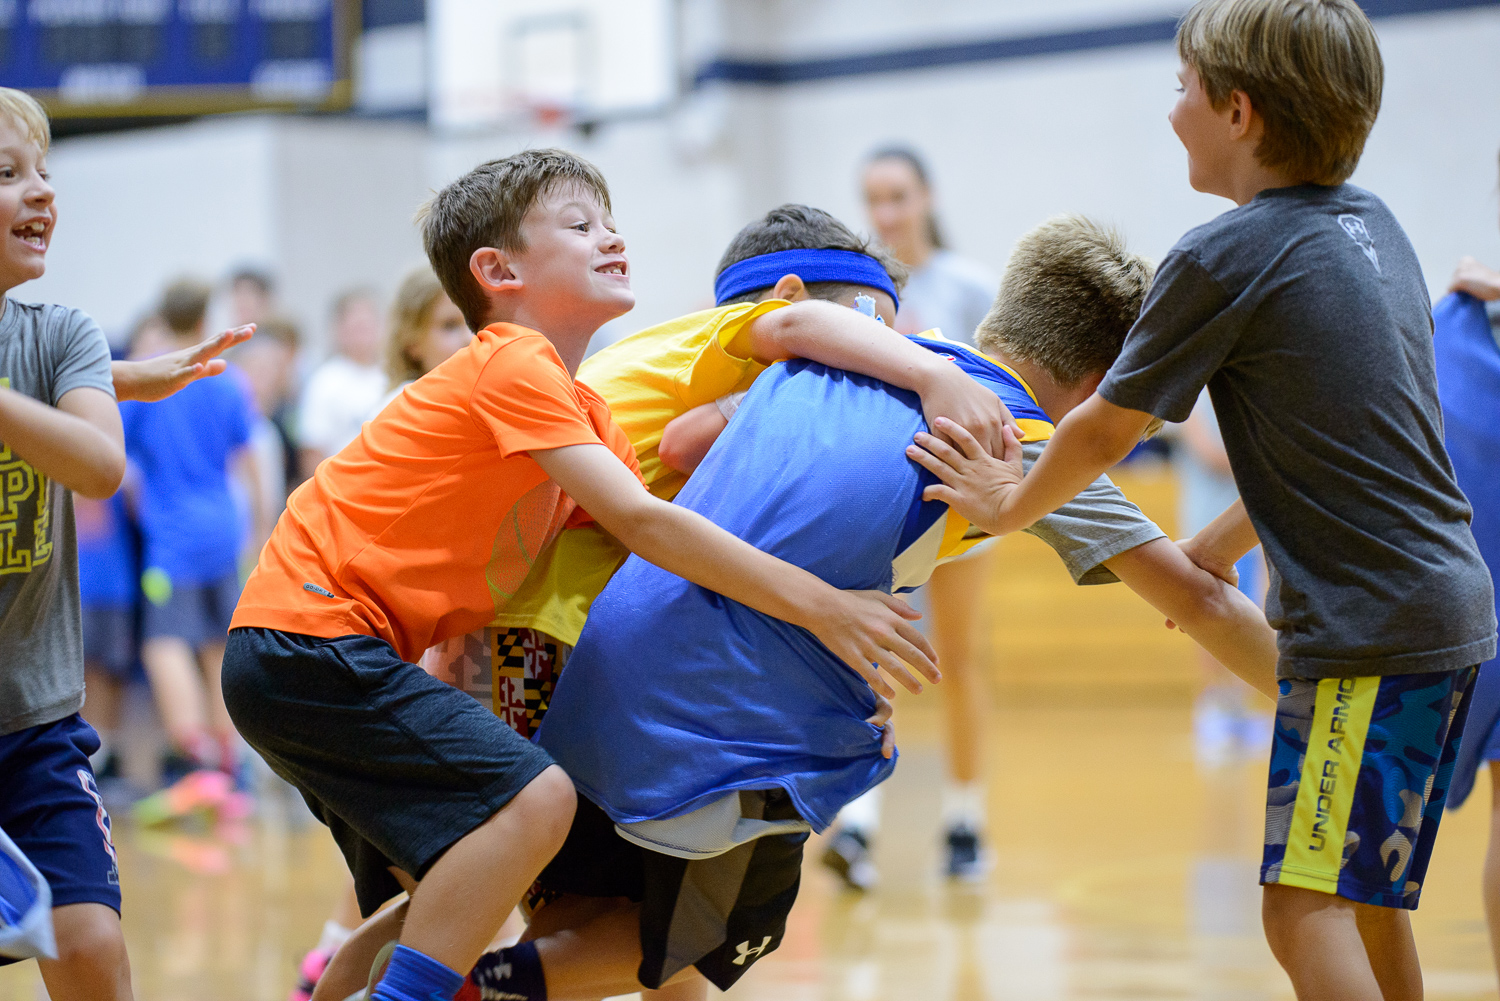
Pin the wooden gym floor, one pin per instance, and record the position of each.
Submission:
(1124, 868)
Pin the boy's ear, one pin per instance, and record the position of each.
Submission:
(791, 288)
(491, 268)
(1241, 114)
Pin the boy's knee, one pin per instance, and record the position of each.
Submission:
(89, 938)
(550, 803)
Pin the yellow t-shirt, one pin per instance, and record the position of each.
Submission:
(648, 379)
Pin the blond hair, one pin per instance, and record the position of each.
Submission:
(485, 208)
(24, 110)
(410, 315)
(1071, 292)
(1311, 68)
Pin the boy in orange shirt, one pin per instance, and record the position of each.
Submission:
(423, 528)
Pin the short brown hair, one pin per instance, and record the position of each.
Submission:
(1070, 294)
(24, 110)
(802, 227)
(184, 304)
(410, 314)
(485, 208)
(1311, 68)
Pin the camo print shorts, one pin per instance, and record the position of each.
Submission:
(1359, 776)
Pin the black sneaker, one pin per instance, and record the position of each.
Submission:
(968, 860)
(848, 854)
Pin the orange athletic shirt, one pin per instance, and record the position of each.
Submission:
(425, 525)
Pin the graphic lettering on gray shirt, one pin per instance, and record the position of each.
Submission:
(25, 512)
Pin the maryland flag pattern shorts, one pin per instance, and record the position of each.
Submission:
(1359, 776)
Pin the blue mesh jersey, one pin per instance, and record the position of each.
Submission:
(676, 695)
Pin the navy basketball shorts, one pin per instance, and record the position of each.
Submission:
(51, 808)
(1359, 776)
(718, 914)
(398, 764)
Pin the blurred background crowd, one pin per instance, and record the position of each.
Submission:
(261, 162)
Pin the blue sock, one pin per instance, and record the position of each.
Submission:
(413, 976)
(514, 972)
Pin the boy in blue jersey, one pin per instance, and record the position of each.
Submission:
(185, 450)
(108, 584)
(697, 791)
(1305, 312)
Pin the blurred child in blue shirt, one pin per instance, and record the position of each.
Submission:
(182, 451)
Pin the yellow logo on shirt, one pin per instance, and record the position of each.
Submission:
(24, 502)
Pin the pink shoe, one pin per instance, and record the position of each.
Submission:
(309, 973)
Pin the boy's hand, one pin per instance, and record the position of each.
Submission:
(1474, 278)
(870, 630)
(882, 719)
(974, 483)
(1203, 559)
(950, 394)
(153, 379)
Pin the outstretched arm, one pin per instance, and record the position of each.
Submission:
(993, 494)
(1221, 619)
(840, 337)
(79, 443)
(152, 379)
(864, 629)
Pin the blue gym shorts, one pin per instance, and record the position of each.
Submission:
(51, 808)
(398, 764)
(198, 614)
(1359, 775)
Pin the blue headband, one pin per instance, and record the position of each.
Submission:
(845, 266)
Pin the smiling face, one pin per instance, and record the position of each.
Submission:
(1204, 132)
(574, 270)
(26, 207)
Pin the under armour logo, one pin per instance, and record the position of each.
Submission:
(745, 952)
(1355, 227)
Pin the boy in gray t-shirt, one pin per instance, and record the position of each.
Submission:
(1305, 313)
(59, 433)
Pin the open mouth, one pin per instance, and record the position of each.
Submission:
(612, 268)
(33, 234)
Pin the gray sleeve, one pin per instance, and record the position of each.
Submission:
(80, 353)
(1187, 327)
(1097, 525)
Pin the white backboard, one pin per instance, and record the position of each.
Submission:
(499, 62)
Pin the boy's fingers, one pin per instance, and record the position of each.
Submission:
(940, 492)
(966, 442)
(871, 673)
(893, 666)
(883, 709)
(888, 740)
(937, 467)
(897, 605)
(1012, 438)
(912, 647)
(941, 448)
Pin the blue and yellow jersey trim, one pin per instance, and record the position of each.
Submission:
(934, 533)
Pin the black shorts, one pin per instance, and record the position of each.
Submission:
(396, 763)
(51, 808)
(109, 639)
(719, 914)
(198, 614)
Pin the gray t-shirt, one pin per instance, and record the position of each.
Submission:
(947, 293)
(45, 352)
(1097, 525)
(1306, 314)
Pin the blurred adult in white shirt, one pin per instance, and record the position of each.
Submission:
(343, 390)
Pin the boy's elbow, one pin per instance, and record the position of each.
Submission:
(102, 479)
(672, 452)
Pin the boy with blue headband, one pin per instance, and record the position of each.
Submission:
(697, 790)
